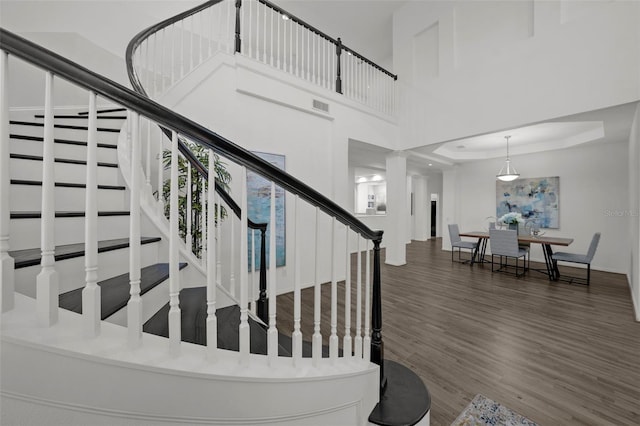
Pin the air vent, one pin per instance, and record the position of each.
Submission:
(320, 105)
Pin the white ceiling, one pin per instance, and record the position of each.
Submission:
(366, 27)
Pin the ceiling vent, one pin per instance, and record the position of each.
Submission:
(320, 105)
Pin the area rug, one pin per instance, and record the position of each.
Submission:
(484, 411)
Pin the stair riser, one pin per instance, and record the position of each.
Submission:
(64, 172)
(25, 233)
(152, 301)
(72, 134)
(29, 198)
(71, 273)
(63, 150)
(106, 123)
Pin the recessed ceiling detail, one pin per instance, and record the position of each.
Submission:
(524, 140)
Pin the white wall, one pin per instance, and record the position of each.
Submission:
(634, 212)
(593, 197)
(504, 64)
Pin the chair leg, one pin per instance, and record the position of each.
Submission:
(588, 273)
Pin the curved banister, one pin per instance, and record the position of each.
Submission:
(83, 77)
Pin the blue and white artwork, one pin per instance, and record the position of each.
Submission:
(537, 199)
(259, 211)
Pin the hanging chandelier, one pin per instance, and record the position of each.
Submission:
(507, 172)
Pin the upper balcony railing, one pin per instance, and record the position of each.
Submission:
(164, 53)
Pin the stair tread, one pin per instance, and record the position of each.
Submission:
(38, 214)
(62, 141)
(114, 292)
(61, 126)
(58, 160)
(86, 116)
(193, 311)
(65, 184)
(406, 399)
(30, 257)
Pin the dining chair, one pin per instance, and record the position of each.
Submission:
(579, 258)
(457, 242)
(504, 243)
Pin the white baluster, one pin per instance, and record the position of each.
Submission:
(91, 310)
(229, 32)
(134, 306)
(316, 342)
(148, 159)
(249, 28)
(252, 268)
(272, 335)
(47, 286)
(189, 234)
(218, 232)
(7, 264)
(212, 320)
(203, 221)
(272, 36)
(173, 54)
(278, 42)
(308, 54)
(297, 334)
(366, 342)
(174, 254)
(163, 46)
(160, 172)
(297, 50)
(182, 49)
(154, 87)
(346, 342)
(264, 42)
(333, 338)
(192, 56)
(243, 329)
(358, 338)
(232, 260)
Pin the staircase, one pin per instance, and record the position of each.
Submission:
(142, 311)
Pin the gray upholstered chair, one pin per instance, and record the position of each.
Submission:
(457, 242)
(504, 243)
(579, 258)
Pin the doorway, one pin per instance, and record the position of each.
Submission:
(434, 209)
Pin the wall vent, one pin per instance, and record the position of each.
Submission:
(320, 105)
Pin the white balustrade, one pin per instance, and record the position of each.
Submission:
(297, 334)
(189, 212)
(243, 329)
(47, 286)
(316, 342)
(91, 307)
(366, 341)
(7, 263)
(358, 337)
(204, 222)
(346, 342)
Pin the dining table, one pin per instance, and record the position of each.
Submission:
(545, 241)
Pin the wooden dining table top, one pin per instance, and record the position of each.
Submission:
(540, 239)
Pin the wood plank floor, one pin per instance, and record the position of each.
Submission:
(558, 353)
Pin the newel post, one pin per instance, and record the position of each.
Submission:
(377, 345)
(238, 41)
(338, 72)
(263, 306)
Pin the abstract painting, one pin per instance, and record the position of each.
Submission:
(259, 210)
(537, 199)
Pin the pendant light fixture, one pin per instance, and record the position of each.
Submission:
(507, 172)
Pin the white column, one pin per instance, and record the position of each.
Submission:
(91, 308)
(47, 287)
(395, 235)
(449, 204)
(7, 263)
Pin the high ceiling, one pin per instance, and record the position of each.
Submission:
(366, 26)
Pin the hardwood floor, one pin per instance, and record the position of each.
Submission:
(558, 353)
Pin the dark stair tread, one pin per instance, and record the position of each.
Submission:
(406, 399)
(31, 257)
(59, 160)
(62, 141)
(104, 111)
(60, 214)
(62, 126)
(65, 184)
(193, 311)
(85, 116)
(114, 292)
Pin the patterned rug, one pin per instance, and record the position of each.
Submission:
(484, 411)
